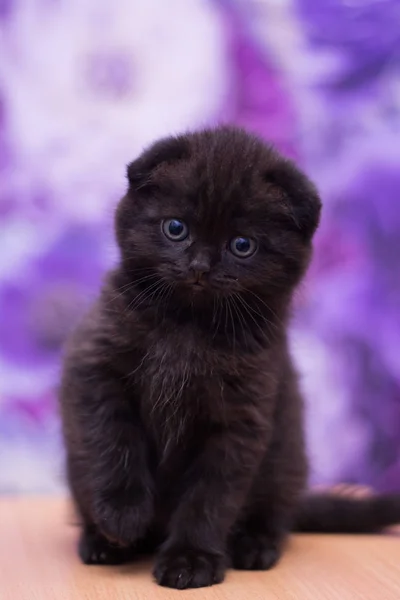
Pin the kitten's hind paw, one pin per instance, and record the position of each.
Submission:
(94, 549)
(254, 551)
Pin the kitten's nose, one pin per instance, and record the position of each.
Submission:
(199, 267)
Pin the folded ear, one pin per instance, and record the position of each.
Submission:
(302, 195)
(167, 150)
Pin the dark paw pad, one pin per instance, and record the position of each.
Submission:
(96, 550)
(254, 552)
(188, 569)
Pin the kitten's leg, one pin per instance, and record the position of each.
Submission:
(107, 454)
(257, 540)
(258, 537)
(95, 549)
(194, 555)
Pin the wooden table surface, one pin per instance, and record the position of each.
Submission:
(38, 562)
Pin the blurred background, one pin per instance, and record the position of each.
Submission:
(86, 84)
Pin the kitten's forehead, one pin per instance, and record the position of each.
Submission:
(221, 178)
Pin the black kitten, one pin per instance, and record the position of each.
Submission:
(181, 410)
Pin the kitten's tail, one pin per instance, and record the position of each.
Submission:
(328, 513)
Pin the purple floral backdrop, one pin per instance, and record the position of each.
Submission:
(85, 84)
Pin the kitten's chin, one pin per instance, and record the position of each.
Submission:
(197, 294)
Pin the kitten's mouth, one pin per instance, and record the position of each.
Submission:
(197, 286)
(197, 282)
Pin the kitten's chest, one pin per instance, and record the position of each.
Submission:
(175, 369)
(180, 387)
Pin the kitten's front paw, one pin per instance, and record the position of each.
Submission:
(188, 568)
(254, 551)
(96, 550)
(124, 522)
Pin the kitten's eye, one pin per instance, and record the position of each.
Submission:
(243, 247)
(175, 229)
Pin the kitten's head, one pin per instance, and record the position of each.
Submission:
(216, 213)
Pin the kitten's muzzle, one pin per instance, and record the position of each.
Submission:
(199, 270)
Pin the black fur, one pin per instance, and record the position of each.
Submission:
(320, 513)
(181, 409)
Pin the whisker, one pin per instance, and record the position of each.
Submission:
(266, 306)
(140, 365)
(239, 314)
(226, 316)
(228, 304)
(246, 307)
(266, 321)
(218, 315)
(128, 286)
(143, 296)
